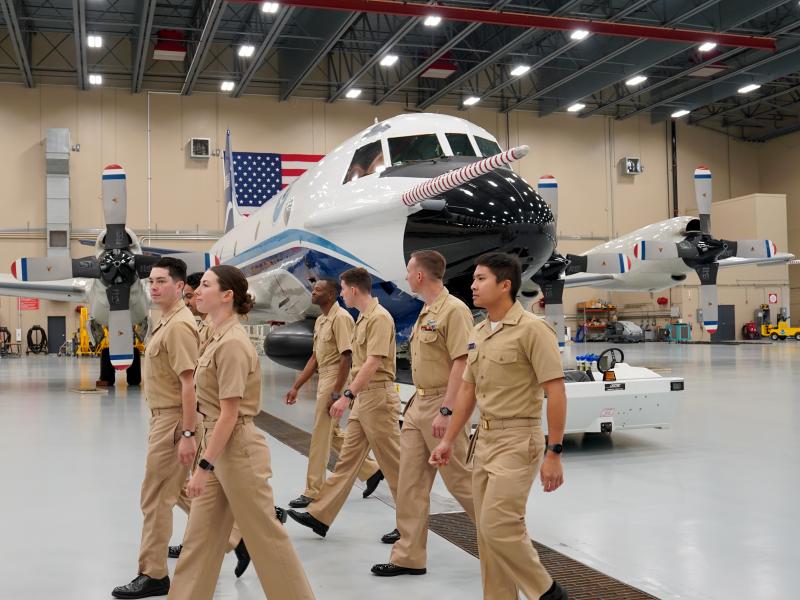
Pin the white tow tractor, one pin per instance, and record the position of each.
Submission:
(617, 396)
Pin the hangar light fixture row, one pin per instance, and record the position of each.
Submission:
(226, 86)
(749, 88)
(520, 70)
(578, 106)
(579, 34)
(246, 51)
(95, 79)
(94, 41)
(432, 21)
(707, 47)
(471, 101)
(389, 60)
(636, 80)
(353, 93)
(679, 113)
(270, 7)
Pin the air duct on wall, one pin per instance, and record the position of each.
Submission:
(57, 157)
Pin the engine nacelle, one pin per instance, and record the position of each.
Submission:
(291, 345)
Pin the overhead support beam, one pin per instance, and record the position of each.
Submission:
(281, 19)
(79, 33)
(302, 72)
(213, 19)
(148, 10)
(20, 42)
(529, 21)
(743, 105)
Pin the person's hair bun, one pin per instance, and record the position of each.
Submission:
(245, 305)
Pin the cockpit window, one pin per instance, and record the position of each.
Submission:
(414, 147)
(366, 161)
(487, 147)
(460, 144)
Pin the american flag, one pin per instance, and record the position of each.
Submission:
(259, 176)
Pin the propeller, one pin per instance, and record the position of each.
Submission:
(702, 252)
(117, 267)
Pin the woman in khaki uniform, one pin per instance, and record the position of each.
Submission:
(231, 478)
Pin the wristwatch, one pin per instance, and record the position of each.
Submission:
(349, 394)
(187, 434)
(335, 396)
(555, 448)
(205, 465)
(445, 412)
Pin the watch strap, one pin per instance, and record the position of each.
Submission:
(205, 465)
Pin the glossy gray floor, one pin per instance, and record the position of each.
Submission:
(705, 510)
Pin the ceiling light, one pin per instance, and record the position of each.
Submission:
(679, 113)
(354, 93)
(636, 80)
(576, 107)
(389, 60)
(471, 100)
(707, 46)
(579, 34)
(95, 79)
(432, 21)
(520, 70)
(94, 41)
(246, 51)
(749, 88)
(226, 86)
(270, 7)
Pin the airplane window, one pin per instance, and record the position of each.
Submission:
(487, 147)
(414, 147)
(460, 144)
(366, 161)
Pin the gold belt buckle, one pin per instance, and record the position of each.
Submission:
(420, 391)
(485, 423)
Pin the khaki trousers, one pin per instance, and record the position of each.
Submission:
(238, 488)
(506, 462)
(373, 423)
(416, 479)
(327, 434)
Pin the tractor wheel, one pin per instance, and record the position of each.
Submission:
(773, 337)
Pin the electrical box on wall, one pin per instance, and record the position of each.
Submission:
(200, 147)
(631, 165)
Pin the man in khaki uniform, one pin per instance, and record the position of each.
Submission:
(333, 331)
(512, 360)
(190, 297)
(169, 362)
(438, 356)
(374, 418)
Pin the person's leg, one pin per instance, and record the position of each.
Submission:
(368, 468)
(320, 449)
(379, 413)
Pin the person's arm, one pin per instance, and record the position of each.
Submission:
(364, 376)
(229, 412)
(441, 422)
(187, 448)
(552, 472)
(462, 412)
(345, 359)
(301, 379)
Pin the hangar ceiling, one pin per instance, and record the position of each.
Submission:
(308, 51)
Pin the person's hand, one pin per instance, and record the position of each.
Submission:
(440, 456)
(551, 473)
(187, 450)
(338, 407)
(291, 396)
(197, 484)
(440, 424)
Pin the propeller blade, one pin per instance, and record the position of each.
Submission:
(52, 268)
(655, 250)
(702, 195)
(197, 262)
(548, 190)
(751, 248)
(115, 207)
(553, 292)
(612, 262)
(708, 295)
(120, 329)
(453, 179)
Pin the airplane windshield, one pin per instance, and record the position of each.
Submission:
(366, 161)
(414, 147)
(487, 147)
(460, 144)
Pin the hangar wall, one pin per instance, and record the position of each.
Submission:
(111, 126)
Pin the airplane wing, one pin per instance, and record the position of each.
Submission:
(65, 290)
(579, 279)
(781, 258)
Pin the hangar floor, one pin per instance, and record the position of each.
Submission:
(705, 510)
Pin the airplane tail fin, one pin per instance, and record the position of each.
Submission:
(232, 215)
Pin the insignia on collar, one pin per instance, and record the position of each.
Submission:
(471, 346)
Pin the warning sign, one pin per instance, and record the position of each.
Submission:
(27, 304)
(773, 298)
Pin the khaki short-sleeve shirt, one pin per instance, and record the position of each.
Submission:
(508, 364)
(332, 337)
(204, 329)
(374, 336)
(170, 350)
(439, 336)
(228, 368)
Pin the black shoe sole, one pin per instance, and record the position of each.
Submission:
(386, 540)
(148, 594)
(317, 530)
(400, 572)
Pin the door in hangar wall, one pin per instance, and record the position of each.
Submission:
(726, 331)
(56, 333)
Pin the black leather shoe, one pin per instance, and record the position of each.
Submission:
(556, 592)
(280, 514)
(243, 558)
(392, 570)
(306, 520)
(391, 537)
(372, 483)
(142, 587)
(301, 502)
(174, 551)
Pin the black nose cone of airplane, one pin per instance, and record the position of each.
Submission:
(497, 212)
